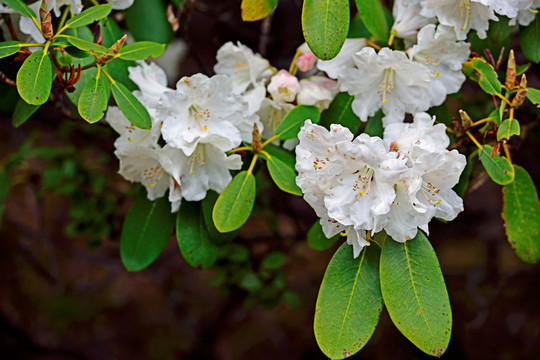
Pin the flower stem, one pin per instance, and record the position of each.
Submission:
(392, 36)
(64, 17)
(292, 68)
(474, 140)
(476, 123)
(507, 152)
(275, 137)
(31, 45)
(252, 165)
(241, 148)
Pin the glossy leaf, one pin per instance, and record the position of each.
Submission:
(499, 169)
(141, 50)
(128, 104)
(488, 79)
(89, 15)
(147, 229)
(415, 294)
(495, 117)
(507, 129)
(325, 24)
(340, 112)
(374, 126)
(34, 78)
(372, 14)
(153, 14)
(317, 240)
(94, 99)
(289, 127)
(193, 237)
(86, 75)
(349, 303)
(88, 46)
(22, 112)
(8, 48)
(284, 155)
(235, 203)
(521, 215)
(283, 175)
(529, 38)
(20, 7)
(534, 96)
(208, 204)
(253, 10)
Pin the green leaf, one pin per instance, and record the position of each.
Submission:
(110, 32)
(374, 126)
(529, 38)
(488, 81)
(34, 78)
(253, 10)
(20, 7)
(495, 117)
(499, 169)
(498, 37)
(325, 24)
(340, 112)
(283, 175)
(22, 112)
(88, 16)
(284, 155)
(521, 69)
(415, 295)
(289, 127)
(521, 215)
(128, 104)
(86, 76)
(94, 99)
(273, 261)
(357, 29)
(8, 48)
(193, 237)
(208, 204)
(88, 46)
(349, 303)
(372, 14)
(147, 229)
(141, 50)
(442, 114)
(147, 20)
(317, 240)
(507, 129)
(235, 203)
(534, 96)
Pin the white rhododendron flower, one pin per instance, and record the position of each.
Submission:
(343, 60)
(243, 66)
(387, 80)
(283, 86)
(408, 20)
(438, 49)
(509, 8)
(526, 16)
(76, 6)
(152, 82)
(120, 4)
(271, 113)
(425, 190)
(318, 91)
(461, 15)
(202, 110)
(130, 135)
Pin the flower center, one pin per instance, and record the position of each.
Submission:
(363, 182)
(198, 157)
(430, 189)
(464, 10)
(152, 175)
(200, 116)
(387, 86)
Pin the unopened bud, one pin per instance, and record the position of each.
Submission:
(466, 121)
(283, 87)
(256, 142)
(306, 61)
(115, 48)
(46, 24)
(521, 93)
(511, 71)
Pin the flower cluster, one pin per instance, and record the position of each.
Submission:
(361, 186)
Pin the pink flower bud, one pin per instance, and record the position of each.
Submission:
(283, 86)
(306, 61)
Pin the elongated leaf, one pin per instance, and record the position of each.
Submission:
(521, 215)
(151, 13)
(86, 76)
(147, 229)
(284, 155)
(141, 50)
(499, 169)
(507, 129)
(289, 127)
(534, 96)
(372, 14)
(283, 175)
(34, 78)
(325, 24)
(340, 112)
(316, 238)
(235, 203)
(208, 204)
(128, 104)
(94, 98)
(529, 38)
(374, 126)
(8, 48)
(88, 46)
(415, 295)
(488, 81)
(89, 15)
(193, 238)
(22, 112)
(349, 303)
(253, 10)
(20, 7)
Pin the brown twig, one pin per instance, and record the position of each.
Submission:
(9, 23)
(6, 80)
